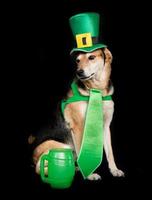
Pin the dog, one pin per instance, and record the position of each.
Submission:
(93, 70)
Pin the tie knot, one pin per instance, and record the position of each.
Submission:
(95, 91)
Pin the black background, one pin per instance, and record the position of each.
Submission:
(38, 73)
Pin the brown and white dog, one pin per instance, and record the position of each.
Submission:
(93, 71)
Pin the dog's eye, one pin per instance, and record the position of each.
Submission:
(91, 57)
(77, 60)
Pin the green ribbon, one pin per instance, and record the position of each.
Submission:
(91, 151)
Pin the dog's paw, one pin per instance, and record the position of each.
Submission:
(117, 172)
(94, 177)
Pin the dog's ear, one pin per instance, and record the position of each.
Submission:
(108, 56)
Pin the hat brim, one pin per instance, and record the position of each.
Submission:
(89, 49)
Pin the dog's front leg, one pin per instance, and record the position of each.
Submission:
(109, 152)
(108, 109)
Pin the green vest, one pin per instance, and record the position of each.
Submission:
(78, 97)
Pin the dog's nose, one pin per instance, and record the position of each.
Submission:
(80, 72)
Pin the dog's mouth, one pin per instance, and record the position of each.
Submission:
(84, 78)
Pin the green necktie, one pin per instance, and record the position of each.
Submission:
(91, 151)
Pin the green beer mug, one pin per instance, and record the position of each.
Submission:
(61, 168)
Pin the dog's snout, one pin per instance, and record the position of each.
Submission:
(80, 72)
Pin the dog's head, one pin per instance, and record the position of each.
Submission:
(90, 63)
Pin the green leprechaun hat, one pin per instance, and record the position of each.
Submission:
(85, 29)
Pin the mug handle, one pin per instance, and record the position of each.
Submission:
(42, 165)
